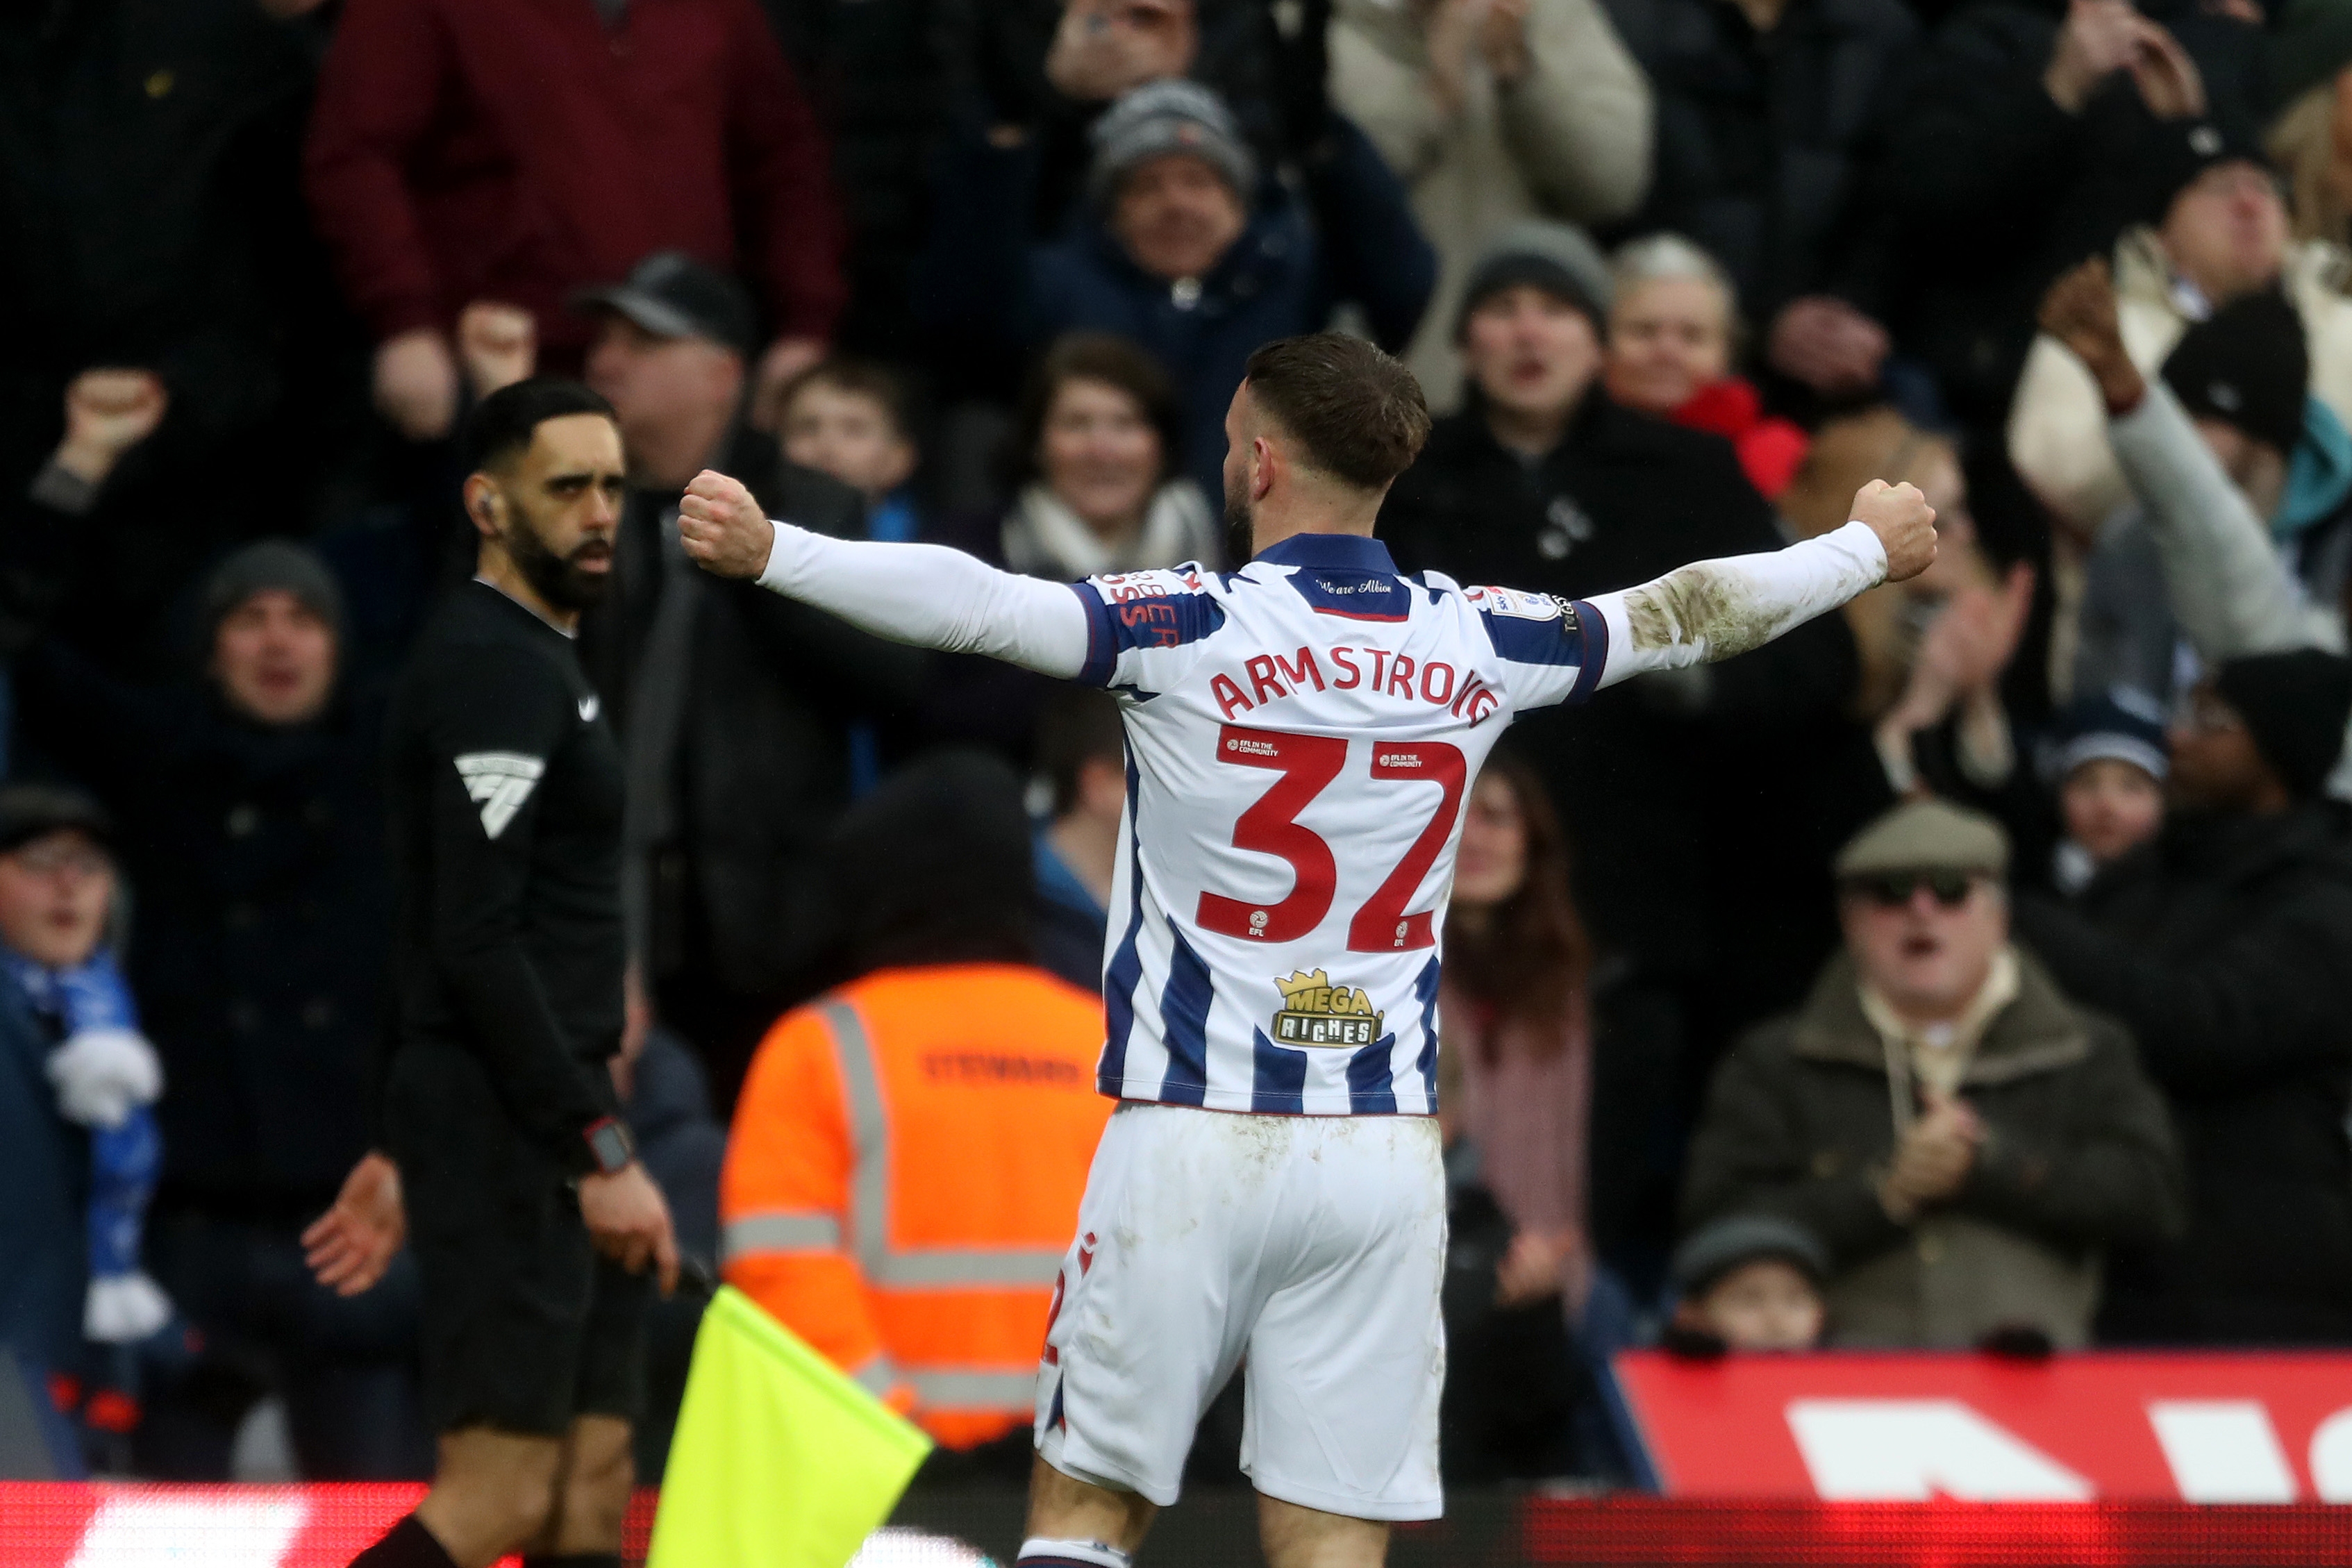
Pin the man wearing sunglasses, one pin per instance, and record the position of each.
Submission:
(2225, 945)
(1962, 1139)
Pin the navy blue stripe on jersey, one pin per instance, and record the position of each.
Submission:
(1334, 551)
(1102, 653)
(1424, 991)
(1371, 1083)
(1184, 1024)
(1548, 641)
(1278, 1076)
(1152, 621)
(1595, 627)
(1353, 596)
(1126, 971)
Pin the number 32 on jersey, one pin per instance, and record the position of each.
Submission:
(1308, 764)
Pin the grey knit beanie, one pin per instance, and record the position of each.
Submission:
(1557, 258)
(1171, 115)
(266, 565)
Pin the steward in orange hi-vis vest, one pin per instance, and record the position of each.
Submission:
(904, 1178)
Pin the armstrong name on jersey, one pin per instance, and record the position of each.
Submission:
(1301, 737)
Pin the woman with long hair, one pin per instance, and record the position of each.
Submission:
(1518, 1031)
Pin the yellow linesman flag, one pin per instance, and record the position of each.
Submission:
(780, 1461)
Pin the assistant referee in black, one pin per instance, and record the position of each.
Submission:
(537, 1235)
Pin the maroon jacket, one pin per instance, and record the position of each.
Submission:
(515, 150)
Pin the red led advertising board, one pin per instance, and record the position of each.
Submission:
(1866, 1428)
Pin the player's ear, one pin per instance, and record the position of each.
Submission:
(1263, 460)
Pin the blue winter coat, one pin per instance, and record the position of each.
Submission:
(1349, 239)
(43, 1191)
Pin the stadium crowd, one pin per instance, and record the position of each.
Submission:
(1970, 968)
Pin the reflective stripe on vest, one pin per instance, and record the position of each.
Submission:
(780, 1230)
(975, 1390)
(877, 1374)
(942, 1266)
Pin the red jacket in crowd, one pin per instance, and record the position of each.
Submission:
(519, 150)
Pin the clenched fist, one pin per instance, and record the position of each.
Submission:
(1905, 523)
(722, 528)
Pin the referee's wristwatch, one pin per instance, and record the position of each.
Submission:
(609, 1145)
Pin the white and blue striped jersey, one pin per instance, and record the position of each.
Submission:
(1302, 735)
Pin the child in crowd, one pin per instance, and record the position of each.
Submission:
(849, 418)
(1749, 1282)
(2107, 760)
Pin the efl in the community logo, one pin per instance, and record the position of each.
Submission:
(1317, 1013)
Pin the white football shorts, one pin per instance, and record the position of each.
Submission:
(1313, 1246)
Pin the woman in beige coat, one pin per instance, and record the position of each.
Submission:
(1491, 111)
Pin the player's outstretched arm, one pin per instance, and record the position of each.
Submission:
(1713, 609)
(926, 594)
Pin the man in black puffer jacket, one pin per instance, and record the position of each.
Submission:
(2226, 947)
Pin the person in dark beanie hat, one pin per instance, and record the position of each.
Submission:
(1749, 1282)
(2246, 366)
(934, 867)
(269, 565)
(1557, 258)
(251, 817)
(2294, 705)
(2226, 947)
(1183, 246)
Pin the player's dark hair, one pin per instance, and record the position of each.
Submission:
(1531, 959)
(1108, 358)
(502, 425)
(858, 378)
(1358, 413)
(1079, 725)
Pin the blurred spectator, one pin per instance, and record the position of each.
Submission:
(2227, 950)
(1933, 647)
(2310, 52)
(2223, 235)
(78, 1143)
(2035, 135)
(1672, 330)
(849, 418)
(1772, 117)
(252, 823)
(1082, 757)
(1516, 1103)
(1544, 482)
(472, 150)
(1184, 248)
(735, 706)
(1750, 1282)
(159, 265)
(2106, 757)
(1491, 111)
(965, 1073)
(1519, 1027)
(1095, 460)
(2242, 536)
(2023, 1143)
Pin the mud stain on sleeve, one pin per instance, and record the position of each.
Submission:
(1698, 604)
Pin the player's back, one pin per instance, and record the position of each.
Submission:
(1301, 735)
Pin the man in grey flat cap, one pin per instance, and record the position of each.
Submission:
(1964, 1142)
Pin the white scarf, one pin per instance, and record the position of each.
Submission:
(1043, 537)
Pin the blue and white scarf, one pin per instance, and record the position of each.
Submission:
(107, 1081)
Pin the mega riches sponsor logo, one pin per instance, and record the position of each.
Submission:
(1317, 1013)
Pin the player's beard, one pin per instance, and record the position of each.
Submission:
(559, 579)
(1241, 525)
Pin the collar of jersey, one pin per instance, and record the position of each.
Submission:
(1332, 551)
